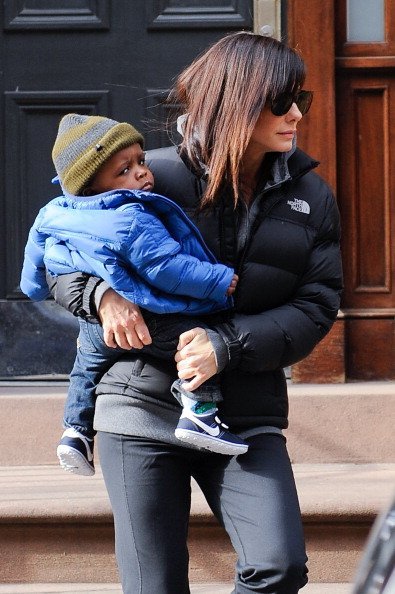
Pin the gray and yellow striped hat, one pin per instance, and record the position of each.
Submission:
(84, 143)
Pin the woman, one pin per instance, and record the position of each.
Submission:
(261, 209)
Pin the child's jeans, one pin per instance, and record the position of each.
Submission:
(94, 358)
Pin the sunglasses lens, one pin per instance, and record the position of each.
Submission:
(283, 103)
(303, 101)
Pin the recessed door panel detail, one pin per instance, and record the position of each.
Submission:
(171, 14)
(366, 186)
(372, 266)
(56, 14)
(32, 120)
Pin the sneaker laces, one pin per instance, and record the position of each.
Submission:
(217, 420)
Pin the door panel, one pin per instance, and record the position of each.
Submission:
(366, 189)
(356, 78)
(90, 57)
(366, 184)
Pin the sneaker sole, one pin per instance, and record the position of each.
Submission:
(72, 461)
(210, 443)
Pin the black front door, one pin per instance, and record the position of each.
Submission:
(85, 56)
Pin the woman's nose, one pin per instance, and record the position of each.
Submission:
(294, 113)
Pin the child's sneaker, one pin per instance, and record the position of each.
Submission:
(208, 432)
(75, 453)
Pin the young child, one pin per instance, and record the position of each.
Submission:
(110, 224)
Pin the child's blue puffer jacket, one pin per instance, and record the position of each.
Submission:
(141, 243)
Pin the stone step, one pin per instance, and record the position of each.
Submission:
(329, 423)
(56, 527)
(209, 588)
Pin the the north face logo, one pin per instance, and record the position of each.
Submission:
(299, 205)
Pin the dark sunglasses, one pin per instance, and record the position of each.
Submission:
(283, 102)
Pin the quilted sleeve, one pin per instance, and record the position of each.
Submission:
(33, 280)
(158, 259)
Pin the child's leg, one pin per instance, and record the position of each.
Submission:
(207, 395)
(165, 332)
(93, 359)
(199, 423)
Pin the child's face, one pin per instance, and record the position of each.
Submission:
(126, 170)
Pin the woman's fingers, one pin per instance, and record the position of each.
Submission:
(195, 383)
(123, 324)
(188, 336)
(197, 370)
(109, 338)
(142, 331)
(127, 338)
(195, 358)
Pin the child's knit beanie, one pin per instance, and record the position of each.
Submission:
(84, 143)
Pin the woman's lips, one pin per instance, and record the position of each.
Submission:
(287, 133)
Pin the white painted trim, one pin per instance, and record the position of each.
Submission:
(268, 13)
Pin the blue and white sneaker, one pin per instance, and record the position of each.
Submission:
(75, 453)
(208, 432)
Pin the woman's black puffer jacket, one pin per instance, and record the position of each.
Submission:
(288, 295)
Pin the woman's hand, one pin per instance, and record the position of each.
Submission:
(123, 324)
(195, 358)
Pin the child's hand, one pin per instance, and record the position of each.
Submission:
(232, 287)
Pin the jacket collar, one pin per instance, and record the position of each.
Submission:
(300, 163)
(286, 166)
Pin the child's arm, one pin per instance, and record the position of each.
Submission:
(43, 254)
(135, 242)
(158, 259)
(33, 282)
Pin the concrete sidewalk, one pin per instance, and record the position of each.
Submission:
(328, 423)
(326, 491)
(57, 527)
(213, 588)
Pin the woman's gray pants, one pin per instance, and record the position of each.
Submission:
(252, 495)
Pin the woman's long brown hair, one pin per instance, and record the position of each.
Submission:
(223, 92)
